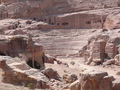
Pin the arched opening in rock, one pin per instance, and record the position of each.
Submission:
(106, 56)
(88, 22)
(2, 54)
(65, 23)
(34, 18)
(52, 23)
(36, 64)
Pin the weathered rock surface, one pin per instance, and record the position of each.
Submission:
(70, 78)
(103, 47)
(16, 71)
(75, 85)
(116, 85)
(93, 80)
(51, 74)
(23, 47)
(21, 61)
(117, 59)
(91, 19)
(113, 21)
(31, 8)
(36, 17)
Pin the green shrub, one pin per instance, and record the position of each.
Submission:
(30, 85)
(72, 62)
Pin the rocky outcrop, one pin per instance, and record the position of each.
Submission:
(70, 78)
(93, 80)
(116, 85)
(51, 74)
(23, 64)
(90, 19)
(18, 72)
(102, 48)
(75, 85)
(113, 21)
(24, 48)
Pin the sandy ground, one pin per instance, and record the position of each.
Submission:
(112, 70)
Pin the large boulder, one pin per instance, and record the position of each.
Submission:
(113, 21)
(51, 74)
(93, 80)
(69, 78)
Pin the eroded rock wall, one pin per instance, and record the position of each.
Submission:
(29, 8)
(113, 21)
(22, 47)
(15, 71)
(103, 47)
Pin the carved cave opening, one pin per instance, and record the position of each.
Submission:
(65, 23)
(2, 54)
(88, 22)
(34, 64)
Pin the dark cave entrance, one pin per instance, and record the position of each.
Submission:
(2, 54)
(36, 64)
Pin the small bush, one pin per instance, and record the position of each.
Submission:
(72, 62)
(30, 85)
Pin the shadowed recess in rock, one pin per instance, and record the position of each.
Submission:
(34, 64)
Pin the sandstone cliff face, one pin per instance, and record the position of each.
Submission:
(91, 19)
(30, 8)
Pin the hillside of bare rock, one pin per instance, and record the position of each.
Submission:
(31, 8)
